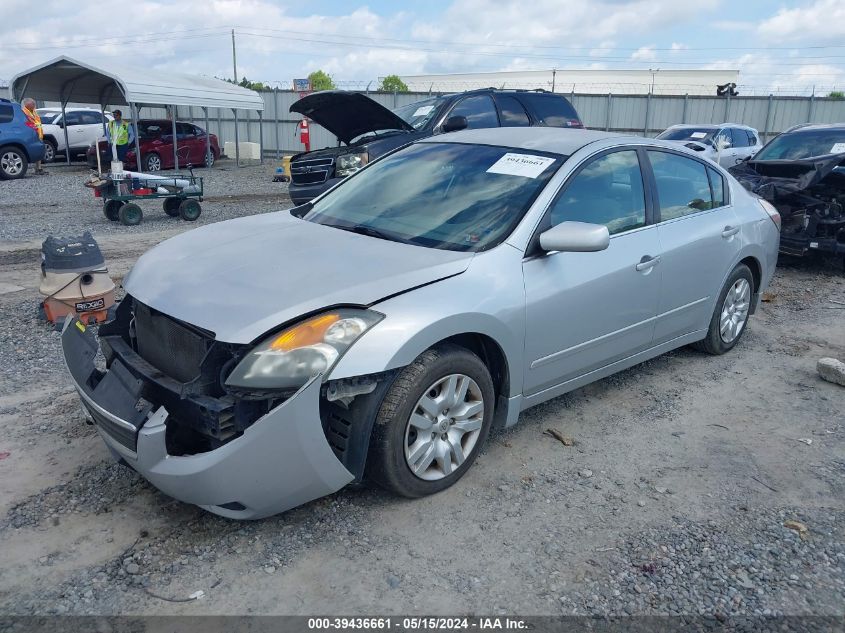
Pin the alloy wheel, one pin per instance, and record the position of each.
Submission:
(444, 427)
(153, 163)
(11, 164)
(735, 310)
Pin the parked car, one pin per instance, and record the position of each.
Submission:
(740, 142)
(438, 292)
(19, 143)
(84, 127)
(368, 130)
(156, 140)
(802, 173)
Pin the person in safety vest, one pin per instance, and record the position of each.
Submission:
(123, 132)
(34, 121)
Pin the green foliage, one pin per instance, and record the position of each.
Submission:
(246, 83)
(321, 81)
(837, 94)
(392, 83)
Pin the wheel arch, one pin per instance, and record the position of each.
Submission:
(486, 336)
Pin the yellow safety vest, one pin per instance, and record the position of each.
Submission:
(119, 131)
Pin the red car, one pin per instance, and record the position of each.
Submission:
(156, 139)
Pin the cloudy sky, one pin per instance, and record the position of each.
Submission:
(776, 45)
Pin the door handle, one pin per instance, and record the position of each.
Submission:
(647, 262)
(730, 231)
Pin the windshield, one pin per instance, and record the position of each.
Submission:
(419, 113)
(440, 195)
(47, 116)
(702, 134)
(797, 145)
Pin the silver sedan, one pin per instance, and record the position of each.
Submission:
(378, 333)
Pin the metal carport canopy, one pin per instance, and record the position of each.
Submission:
(66, 79)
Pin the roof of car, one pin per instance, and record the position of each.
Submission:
(809, 127)
(544, 139)
(710, 126)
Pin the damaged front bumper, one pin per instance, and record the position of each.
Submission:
(281, 461)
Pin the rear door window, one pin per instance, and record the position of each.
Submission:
(683, 187)
(478, 110)
(7, 113)
(512, 112)
(717, 185)
(551, 110)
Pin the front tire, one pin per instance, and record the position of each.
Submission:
(730, 317)
(432, 422)
(50, 148)
(130, 214)
(209, 159)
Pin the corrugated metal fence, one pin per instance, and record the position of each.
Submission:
(639, 114)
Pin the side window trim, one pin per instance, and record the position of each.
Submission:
(726, 190)
(545, 221)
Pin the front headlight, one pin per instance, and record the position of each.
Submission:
(287, 360)
(350, 163)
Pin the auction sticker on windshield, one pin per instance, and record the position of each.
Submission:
(698, 135)
(526, 165)
(838, 148)
(423, 110)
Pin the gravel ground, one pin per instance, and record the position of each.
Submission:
(687, 490)
(34, 207)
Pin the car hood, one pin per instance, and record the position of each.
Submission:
(242, 278)
(348, 114)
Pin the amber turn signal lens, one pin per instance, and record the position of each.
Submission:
(309, 332)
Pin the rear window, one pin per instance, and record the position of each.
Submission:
(6, 113)
(687, 134)
(47, 116)
(551, 110)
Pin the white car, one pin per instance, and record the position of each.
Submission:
(738, 142)
(84, 127)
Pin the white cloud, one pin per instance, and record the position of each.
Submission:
(822, 21)
(644, 54)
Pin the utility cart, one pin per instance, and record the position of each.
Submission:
(181, 195)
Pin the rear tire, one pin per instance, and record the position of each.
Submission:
(397, 445)
(130, 214)
(111, 209)
(209, 159)
(152, 162)
(189, 210)
(171, 206)
(730, 316)
(13, 163)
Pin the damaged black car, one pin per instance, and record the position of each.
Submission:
(802, 173)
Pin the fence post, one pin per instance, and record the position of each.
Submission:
(276, 117)
(728, 108)
(686, 102)
(609, 109)
(768, 118)
(811, 107)
(647, 113)
(394, 98)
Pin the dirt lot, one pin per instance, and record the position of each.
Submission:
(673, 498)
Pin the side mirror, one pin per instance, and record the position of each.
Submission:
(61, 123)
(454, 123)
(575, 237)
